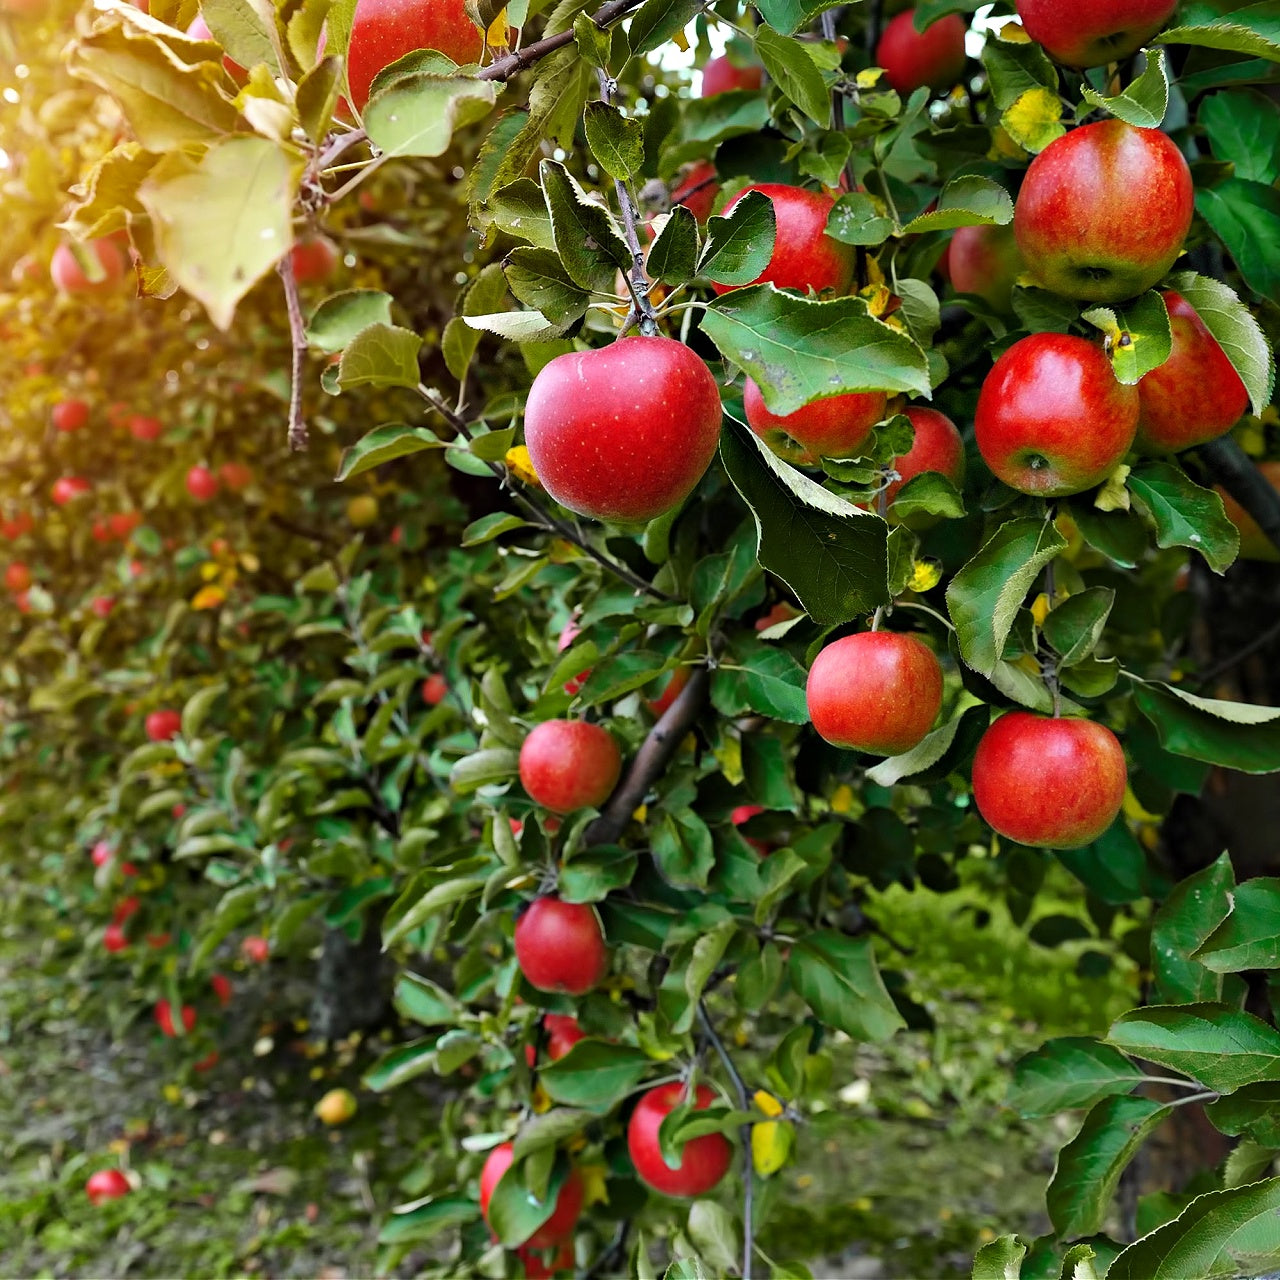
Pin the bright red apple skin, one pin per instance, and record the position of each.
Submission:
(568, 634)
(804, 256)
(938, 446)
(256, 949)
(564, 1216)
(220, 984)
(69, 277)
(144, 427)
(1091, 33)
(1254, 544)
(1196, 395)
(314, 259)
(164, 1017)
(670, 692)
(985, 261)
(106, 1184)
(101, 606)
(237, 476)
(721, 76)
(624, 432)
(697, 190)
(569, 764)
(435, 689)
(384, 30)
(114, 939)
(781, 612)
(1053, 784)
(1103, 211)
(123, 523)
(17, 577)
(161, 726)
(560, 946)
(563, 1033)
(934, 57)
(1052, 418)
(877, 691)
(202, 484)
(832, 428)
(703, 1161)
(69, 415)
(67, 489)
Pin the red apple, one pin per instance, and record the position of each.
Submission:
(985, 261)
(934, 57)
(1103, 211)
(1091, 33)
(123, 523)
(314, 258)
(1049, 783)
(144, 427)
(21, 524)
(833, 428)
(703, 1161)
(17, 577)
(158, 941)
(164, 1017)
(106, 1184)
(207, 1063)
(720, 75)
(23, 601)
(1196, 395)
(67, 489)
(114, 938)
(236, 476)
(202, 484)
(565, 1214)
(101, 606)
(385, 30)
(568, 634)
(163, 725)
(256, 949)
(937, 447)
(221, 987)
(563, 1033)
(1254, 544)
(569, 764)
(804, 255)
(1052, 419)
(127, 907)
(624, 432)
(435, 689)
(69, 276)
(697, 189)
(69, 415)
(878, 691)
(783, 611)
(102, 853)
(560, 946)
(670, 692)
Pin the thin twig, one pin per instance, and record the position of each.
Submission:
(1240, 477)
(524, 58)
(748, 1171)
(837, 95)
(298, 342)
(343, 142)
(1258, 642)
(874, 9)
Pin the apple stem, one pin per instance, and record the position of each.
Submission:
(298, 343)
(748, 1170)
(523, 59)
(877, 618)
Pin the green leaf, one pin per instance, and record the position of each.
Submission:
(594, 44)
(222, 222)
(341, 316)
(234, 908)
(1144, 103)
(1253, 29)
(1090, 1165)
(673, 256)
(657, 21)
(240, 28)
(798, 350)
(794, 72)
(418, 114)
(1252, 1112)
(421, 1000)
(1069, 1073)
(837, 978)
(739, 244)
(514, 1212)
(1245, 216)
(1185, 919)
(1234, 735)
(831, 555)
(520, 209)
(1140, 336)
(198, 706)
(1189, 1247)
(538, 279)
(855, 218)
(516, 326)
(1185, 515)
(384, 443)
(968, 201)
(769, 681)
(616, 141)
(1249, 938)
(1219, 1046)
(485, 768)
(683, 849)
(381, 355)
(1114, 867)
(1243, 126)
(928, 494)
(318, 94)
(594, 1075)
(425, 1221)
(549, 1129)
(932, 748)
(715, 1236)
(447, 890)
(985, 596)
(1001, 1259)
(1075, 626)
(1238, 333)
(401, 1064)
(489, 527)
(588, 240)
(610, 680)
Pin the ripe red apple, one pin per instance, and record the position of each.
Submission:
(568, 634)
(833, 428)
(158, 941)
(1091, 33)
(934, 57)
(568, 1206)
(384, 30)
(703, 1161)
(543, 1264)
(720, 75)
(670, 692)
(127, 907)
(560, 946)
(164, 1017)
(624, 432)
(1052, 418)
(697, 189)
(1103, 211)
(114, 938)
(144, 427)
(102, 853)
(17, 577)
(1055, 784)
(67, 489)
(569, 764)
(101, 606)
(435, 689)
(106, 1184)
(237, 476)
(783, 611)
(163, 725)
(1196, 395)
(69, 415)
(985, 261)
(202, 484)
(1254, 544)
(877, 691)
(804, 256)
(256, 949)
(937, 447)
(207, 1063)
(314, 258)
(220, 984)
(69, 276)
(123, 523)
(563, 1033)
(21, 524)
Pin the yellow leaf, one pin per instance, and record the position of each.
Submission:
(1014, 33)
(1040, 609)
(209, 570)
(771, 1145)
(1035, 119)
(595, 1184)
(250, 563)
(766, 1102)
(842, 799)
(496, 37)
(879, 298)
(521, 465)
(172, 1093)
(681, 41)
(541, 1099)
(1003, 147)
(925, 575)
(1114, 496)
(641, 813)
(869, 77)
(208, 598)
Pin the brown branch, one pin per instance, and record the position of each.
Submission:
(1240, 477)
(298, 342)
(523, 59)
(343, 142)
(651, 760)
